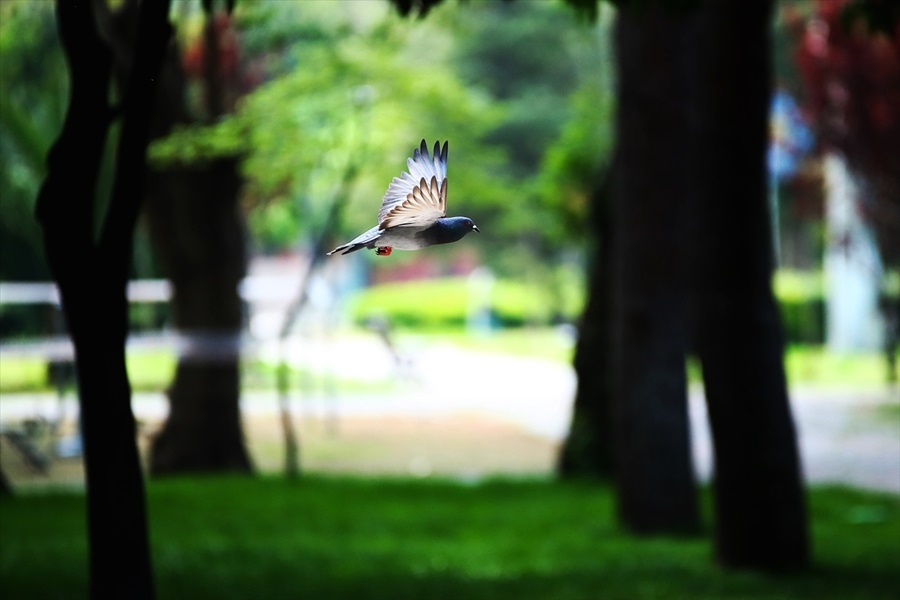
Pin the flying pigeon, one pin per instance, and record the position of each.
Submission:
(413, 209)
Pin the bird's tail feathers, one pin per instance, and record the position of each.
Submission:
(347, 249)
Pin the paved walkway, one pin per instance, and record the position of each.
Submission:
(845, 436)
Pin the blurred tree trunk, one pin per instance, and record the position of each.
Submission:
(6, 488)
(759, 499)
(91, 271)
(195, 224)
(588, 447)
(196, 228)
(654, 472)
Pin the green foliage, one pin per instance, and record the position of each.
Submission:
(555, 102)
(348, 99)
(349, 89)
(146, 371)
(490, 50)
(23, 375)
(798, 286)
(197, 143)
(442, 303)
(32, 104)
(26, 320)
(588, 9)
(34, 84)
(816, 365)
(335, 538)
(801, 301)
(803, 321)
(573, 165)
(353, 88)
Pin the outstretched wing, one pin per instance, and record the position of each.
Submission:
(418, 197)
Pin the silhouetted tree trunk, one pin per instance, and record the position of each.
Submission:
(6, 488)
(759, 499)
(91, 272)
(588, 447)
(654, 473)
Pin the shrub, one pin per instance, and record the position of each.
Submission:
(801, 299)
(442, 303)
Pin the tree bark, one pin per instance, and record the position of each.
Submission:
(6, 488)
(197, 230)
(654, 473)
(91, 274)
(194, 220)
(759, 500)
(588, 447)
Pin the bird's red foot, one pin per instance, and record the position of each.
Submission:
(383, 251)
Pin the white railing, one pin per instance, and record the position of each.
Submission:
(203, 345)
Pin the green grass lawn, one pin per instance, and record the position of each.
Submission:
(323, 537)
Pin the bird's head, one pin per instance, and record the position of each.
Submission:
(452, 229)
(465, 224)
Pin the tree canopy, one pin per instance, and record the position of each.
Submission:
(337, 83)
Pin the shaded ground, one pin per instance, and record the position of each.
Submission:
(335, 538)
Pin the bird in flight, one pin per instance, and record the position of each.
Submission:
(414, 208)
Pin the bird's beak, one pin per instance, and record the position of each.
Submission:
(475, 228)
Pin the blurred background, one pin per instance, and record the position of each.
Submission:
(283, 125)
(319, 105)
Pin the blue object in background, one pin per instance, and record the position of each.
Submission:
(791, 138)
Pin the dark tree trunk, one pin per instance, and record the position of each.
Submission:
(759, 499)
(92, 275)
(588, 447)
(197, 229)
(654, 472)
(6, 488)
(194, 220)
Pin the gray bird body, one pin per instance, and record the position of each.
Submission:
(413, 210)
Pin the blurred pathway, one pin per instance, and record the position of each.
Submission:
(845, 436)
